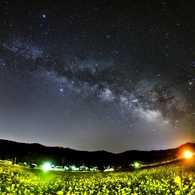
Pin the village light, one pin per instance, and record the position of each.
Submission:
(74, 168)
(188, 154)
(136, 165)
(46, 166)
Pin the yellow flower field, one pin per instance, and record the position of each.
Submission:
(164, 180)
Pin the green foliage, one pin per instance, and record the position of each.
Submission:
(172, 179)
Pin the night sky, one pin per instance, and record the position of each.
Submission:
(98, 74)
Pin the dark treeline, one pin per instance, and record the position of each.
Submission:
(36, 153)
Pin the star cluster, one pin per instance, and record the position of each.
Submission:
(98, 75)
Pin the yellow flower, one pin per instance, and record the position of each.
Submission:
(177, 192)
(177, 180)
(59, 193)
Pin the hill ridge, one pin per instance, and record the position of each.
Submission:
(38, 153)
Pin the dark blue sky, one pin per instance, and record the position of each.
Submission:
(98, 75)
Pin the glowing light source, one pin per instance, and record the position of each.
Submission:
(46, 166)
(137, 165)
(74, 168)
(188, 154)
(43, 15)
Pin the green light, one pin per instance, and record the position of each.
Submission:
(46, 166)
(136, 165)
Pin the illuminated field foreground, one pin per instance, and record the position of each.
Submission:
(177, 178)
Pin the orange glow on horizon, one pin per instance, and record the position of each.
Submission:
(188, 154)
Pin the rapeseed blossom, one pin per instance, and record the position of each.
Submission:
(165, 180)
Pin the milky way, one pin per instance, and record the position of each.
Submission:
(96, 76)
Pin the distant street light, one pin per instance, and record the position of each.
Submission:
(188, 154)
(46, 166)
(137, 165)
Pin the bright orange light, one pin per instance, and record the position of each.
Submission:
(188, 154)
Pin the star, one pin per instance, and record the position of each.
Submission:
(43, 16)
